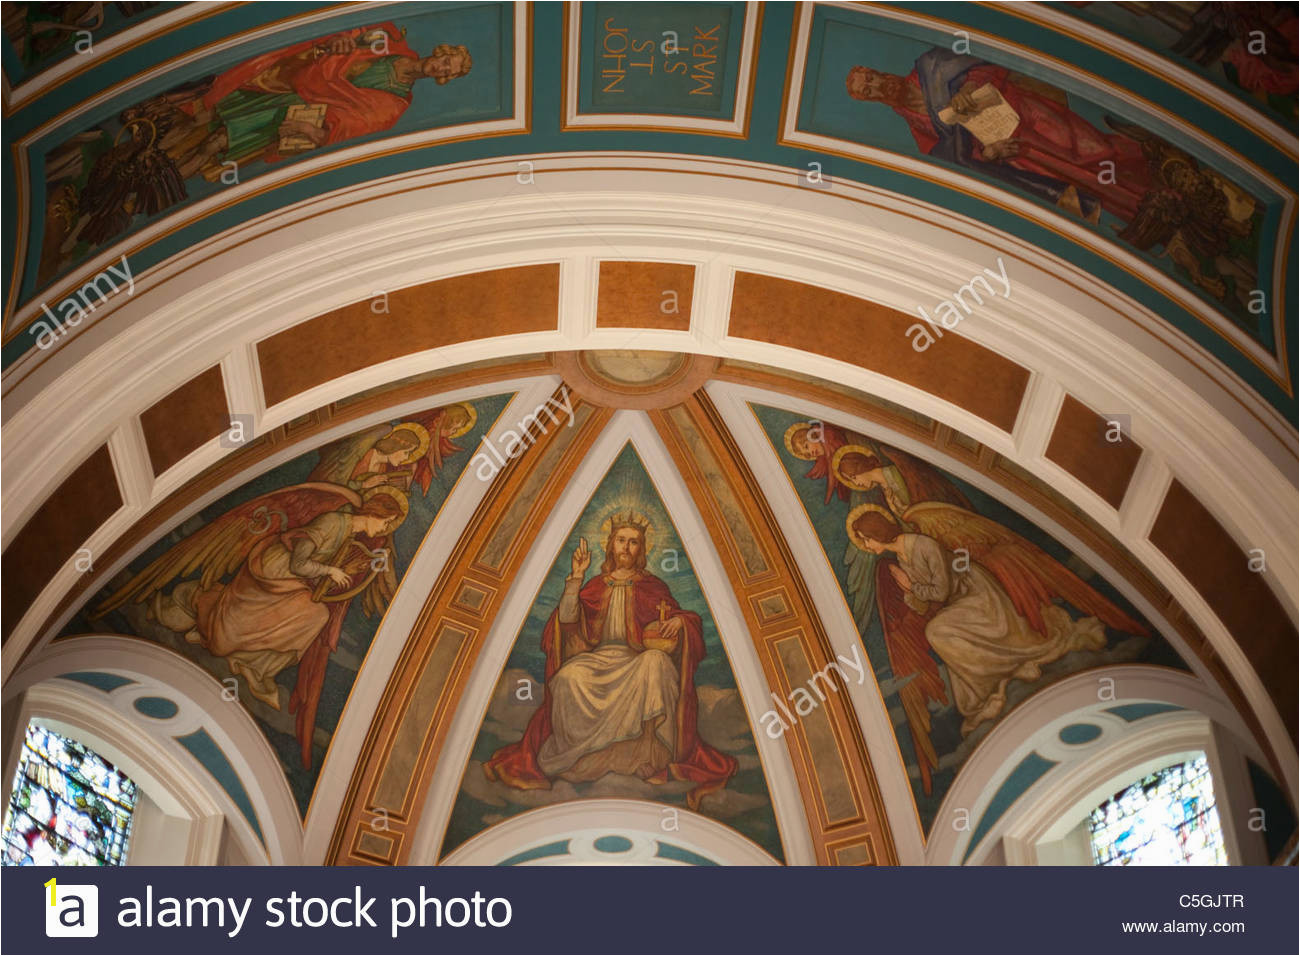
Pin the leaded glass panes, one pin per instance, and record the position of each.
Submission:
(1165, 819)
(69, 807)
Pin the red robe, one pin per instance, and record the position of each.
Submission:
(352, 110)
(1055, 141)
(693, 759)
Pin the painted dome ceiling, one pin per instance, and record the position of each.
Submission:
(914, 382)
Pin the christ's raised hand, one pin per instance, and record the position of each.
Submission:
(581, 558)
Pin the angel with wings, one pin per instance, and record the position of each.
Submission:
(983, 598)
(889, 478)
(268, 584)
(862, 472)
(276, 577)
(402, 455)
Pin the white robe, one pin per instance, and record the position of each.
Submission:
(979, 634)
(613, 709)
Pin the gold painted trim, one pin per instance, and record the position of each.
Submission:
(806, 627)
(567, 47)
(249, 459)
(946, 441)
(782, 838)
(463, 563)
(1189, 350)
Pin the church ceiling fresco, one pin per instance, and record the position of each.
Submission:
(615, 678)
(1248, 48)
(999, 116)
(39, 35)
(965, 609)
(278, 588)
(238, 118)
(618, 684)
(1197, 191)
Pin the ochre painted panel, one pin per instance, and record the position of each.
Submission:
(77, 507)
(1209, 557)
(428, 316)
(1094, 448)
(185, 418)
(645, 295)
(875, 337)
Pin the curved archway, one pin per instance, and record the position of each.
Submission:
(631, 832)
(203, 759)
(1031, 780)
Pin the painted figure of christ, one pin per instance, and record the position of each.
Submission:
(620, 693)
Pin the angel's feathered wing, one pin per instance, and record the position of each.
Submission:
(924, 481)
(221, 546)
(913, 665)
(1030, 576)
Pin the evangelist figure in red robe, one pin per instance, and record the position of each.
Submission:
(276, 106)
(289, 101)
(620, 693)
(1053, 153)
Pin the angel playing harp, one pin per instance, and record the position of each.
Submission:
(276, 577)
(268, 584)
(983, 598)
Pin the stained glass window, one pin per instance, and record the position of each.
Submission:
(69, 807)
(1166, 819)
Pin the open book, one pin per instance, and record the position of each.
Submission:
(994, 122)
(297, 143)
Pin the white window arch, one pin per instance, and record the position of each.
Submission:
(629, 832)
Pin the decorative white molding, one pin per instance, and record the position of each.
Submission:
(1035, 727)
(1037, 419)
(155, 765)
(1216, 435)
(160, 672)
(1275, 364)
(732, 402)
(1064, 796)
(399, 620)
(516, 123)
(819, 577)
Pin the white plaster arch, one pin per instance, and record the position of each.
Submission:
(399, 620)
(1035, 725)
(623, 426)
(186, 315)
(640, 821)
(147, 745)
(1194, 419)
(1056, 803)
(81, 714)
(389, 638)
